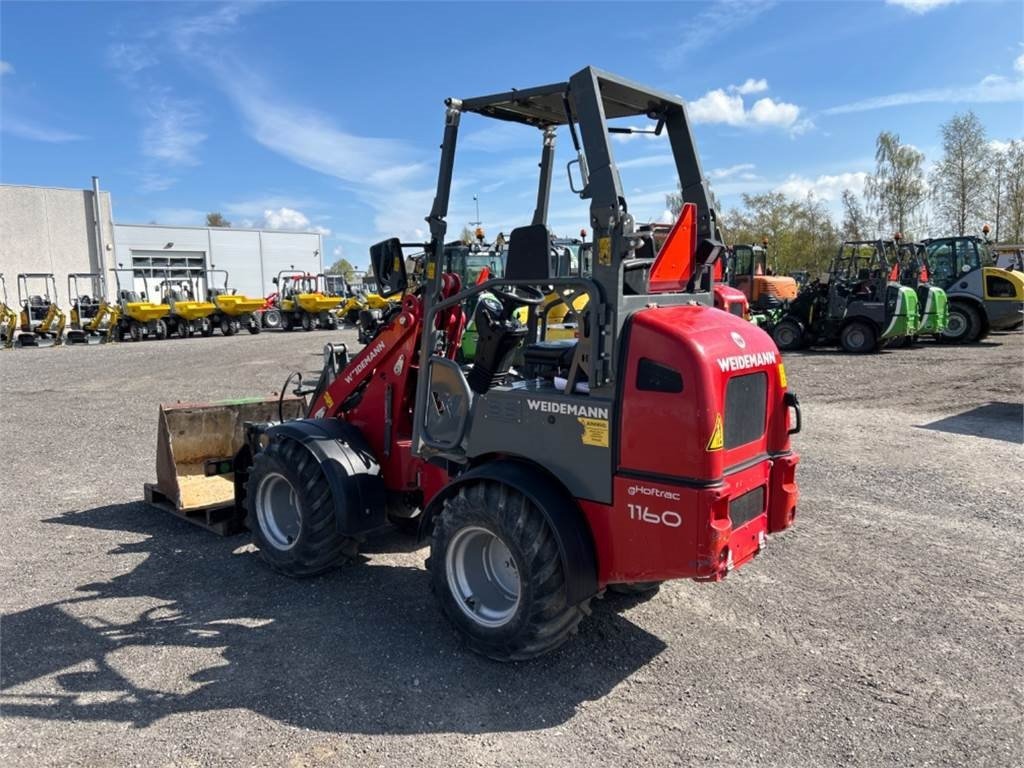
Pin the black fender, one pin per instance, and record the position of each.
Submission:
(563, 514)
(352, 472)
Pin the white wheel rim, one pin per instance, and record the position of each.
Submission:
(483, 576)
(278, 512)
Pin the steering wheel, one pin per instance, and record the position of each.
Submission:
(517, 296)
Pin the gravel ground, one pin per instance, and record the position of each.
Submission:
(886, 628)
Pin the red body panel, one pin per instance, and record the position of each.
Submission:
(675, 482)
(731, 300)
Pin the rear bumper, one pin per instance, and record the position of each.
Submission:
(661, 530)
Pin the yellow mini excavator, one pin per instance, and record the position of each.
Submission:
(8, 317)
(41, 317)
(93, 318)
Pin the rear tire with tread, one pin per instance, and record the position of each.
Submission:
(542, 619)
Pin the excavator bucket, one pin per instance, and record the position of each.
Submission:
(195, 446)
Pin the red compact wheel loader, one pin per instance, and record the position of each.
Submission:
(655, 446)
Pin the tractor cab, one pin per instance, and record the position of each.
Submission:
(747, 269)
(982, 297)
(856, 307)
(654, 446)
(911, 270)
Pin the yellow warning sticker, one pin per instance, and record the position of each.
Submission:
(604, 251)
(328, 399)
(782, 376)
(717, 435)
(595, 431)
(430, 270)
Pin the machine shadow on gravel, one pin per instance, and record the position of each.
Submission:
(360, 650)
(996, 421)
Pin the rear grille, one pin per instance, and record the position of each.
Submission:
(746, 399)
(745, 508)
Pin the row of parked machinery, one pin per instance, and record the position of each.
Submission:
(883, 293)
(186, 304)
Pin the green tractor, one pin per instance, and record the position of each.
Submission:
(857, 307)
(982, 297)
(911, 270)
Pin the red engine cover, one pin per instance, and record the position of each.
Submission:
(704, 466)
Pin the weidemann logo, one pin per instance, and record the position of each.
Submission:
(742, 362)
(362, 365)
(569, 409)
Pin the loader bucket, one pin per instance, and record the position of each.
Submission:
(190, 435)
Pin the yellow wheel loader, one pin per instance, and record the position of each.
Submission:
(40, 317)
(231, 310)
(304, 302)
(188, 314)
(138, 318)
(8, 317)
(92, 317)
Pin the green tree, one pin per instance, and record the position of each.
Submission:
(215, 219)
(856, 224)
(800, 233)
(1013, 229)
(961, 179)
(896, 190)
(342, 267)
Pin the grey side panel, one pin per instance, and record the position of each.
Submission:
(570, 436)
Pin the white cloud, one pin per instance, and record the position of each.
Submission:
(826, 187)
(290, 219)
(742, 170)
(172, 135)
(768, 112)
(155, 182)
(990, 89)
(338, 252)
(255, 207)
(716, 21)
(648, 161)
(178, 217)
(920, 6)
(999, 146)
(26, 129)
(130, 58)
(750, 86)
(6, 68)
(719, 107)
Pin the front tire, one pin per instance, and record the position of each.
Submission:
(271, 318)
(788, 335)
(858, 338)
(496, 570)
(291, 511)
(964, 324)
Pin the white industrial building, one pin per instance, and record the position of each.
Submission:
(48, 229)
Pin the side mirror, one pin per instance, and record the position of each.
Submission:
(274, 281)
(388, 266)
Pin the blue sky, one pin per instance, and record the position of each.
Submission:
(329, 115)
